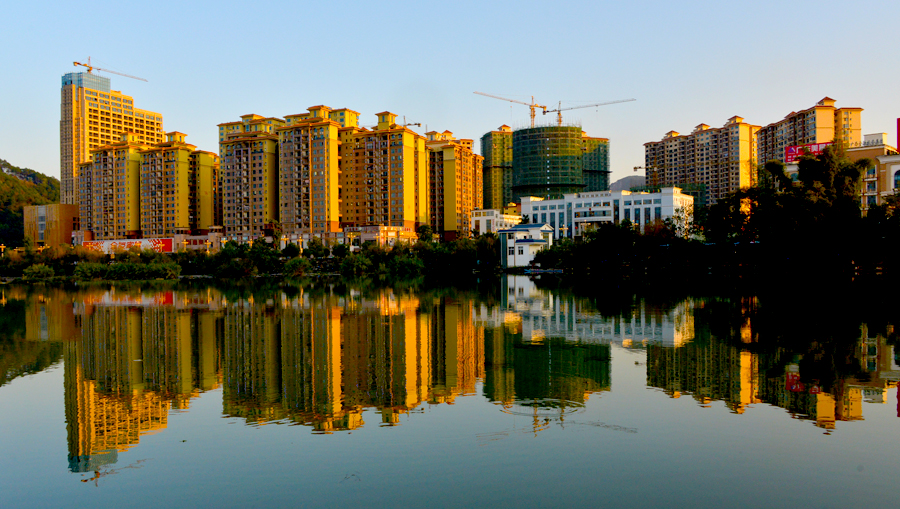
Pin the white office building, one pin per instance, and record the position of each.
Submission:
(575, 213)
(492, 220)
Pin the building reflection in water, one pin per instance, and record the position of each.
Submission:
(711, 367)
(325, 359)
(138, 357)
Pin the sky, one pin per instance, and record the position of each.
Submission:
(685, 63)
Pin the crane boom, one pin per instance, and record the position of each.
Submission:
(560, 109)
(92, 67)
(532, 105)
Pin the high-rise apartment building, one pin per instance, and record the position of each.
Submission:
(309, 190)
(248, 152)
(109, 197)
(177, 188)
(496, 147)
(717, 160)
(455, 184)
(383, 175)
(822, 123)
(91, 116)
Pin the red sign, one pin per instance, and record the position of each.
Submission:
(792, 154)
(792, 382)
(107, 246)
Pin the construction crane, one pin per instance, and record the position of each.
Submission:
(405, 124)
(560, 109)
(92, 67)
(531, 105)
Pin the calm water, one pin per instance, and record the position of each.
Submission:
(517, 396)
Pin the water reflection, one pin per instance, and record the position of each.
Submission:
(325, 356)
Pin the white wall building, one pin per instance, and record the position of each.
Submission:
(519, 244)
(573, 214)
(492, 220)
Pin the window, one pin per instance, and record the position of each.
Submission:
(512, 251)
(521, 250)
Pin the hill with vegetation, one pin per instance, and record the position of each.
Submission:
(20, 187)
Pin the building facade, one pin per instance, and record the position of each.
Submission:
(713, 161)
(309, 173)
(178, 187)
(109, 190)
(551, 161)
(91, 116)
(383, 175)
(821, 123)
(519, 244)
(576, 213)
(248, 152)
(455, 184)
(493, 220)
(496, 147)
(51, 225)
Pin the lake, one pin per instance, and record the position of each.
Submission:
(511, 393)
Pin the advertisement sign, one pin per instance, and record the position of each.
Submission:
(108, 246)
(792, 154)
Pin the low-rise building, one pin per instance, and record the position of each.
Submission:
(50, 225)
(519, 244)
(575, 213)
(492, 221)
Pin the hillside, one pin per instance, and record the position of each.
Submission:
(20, 187)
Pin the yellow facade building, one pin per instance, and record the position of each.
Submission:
(384, 175)
(177, 188)
(91, 116)
(248, 152)
(109, 189)
(455, 184)
(51, 225)
(821, 123)
(309, 189)
(715, 161)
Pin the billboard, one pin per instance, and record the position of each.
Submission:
(108, 246)
(792, 154)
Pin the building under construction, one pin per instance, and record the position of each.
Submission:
(496, 147)
(547, 162)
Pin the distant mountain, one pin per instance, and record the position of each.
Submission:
(626, 183)
(20, 187)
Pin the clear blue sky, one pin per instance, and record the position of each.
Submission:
(686, 63)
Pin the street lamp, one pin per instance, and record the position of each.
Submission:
(185, 243)
(208, 243)
(2, 249)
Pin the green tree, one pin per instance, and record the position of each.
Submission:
(426, 234)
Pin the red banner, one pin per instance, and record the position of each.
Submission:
(792, 154)
(109, 246)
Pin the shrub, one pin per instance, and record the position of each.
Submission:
(297, 266)
(87, 271)
(38, 272)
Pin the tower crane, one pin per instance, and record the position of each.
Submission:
(92, 67)
(531, 105)
(560, 109)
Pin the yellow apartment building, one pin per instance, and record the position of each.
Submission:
(109, 186)
(248, 152)
(383, 175)
(51, 225)
(456, 188)
(309, 187)
(177, 188)
(718, 161)
(91, 116)
(821, 123)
